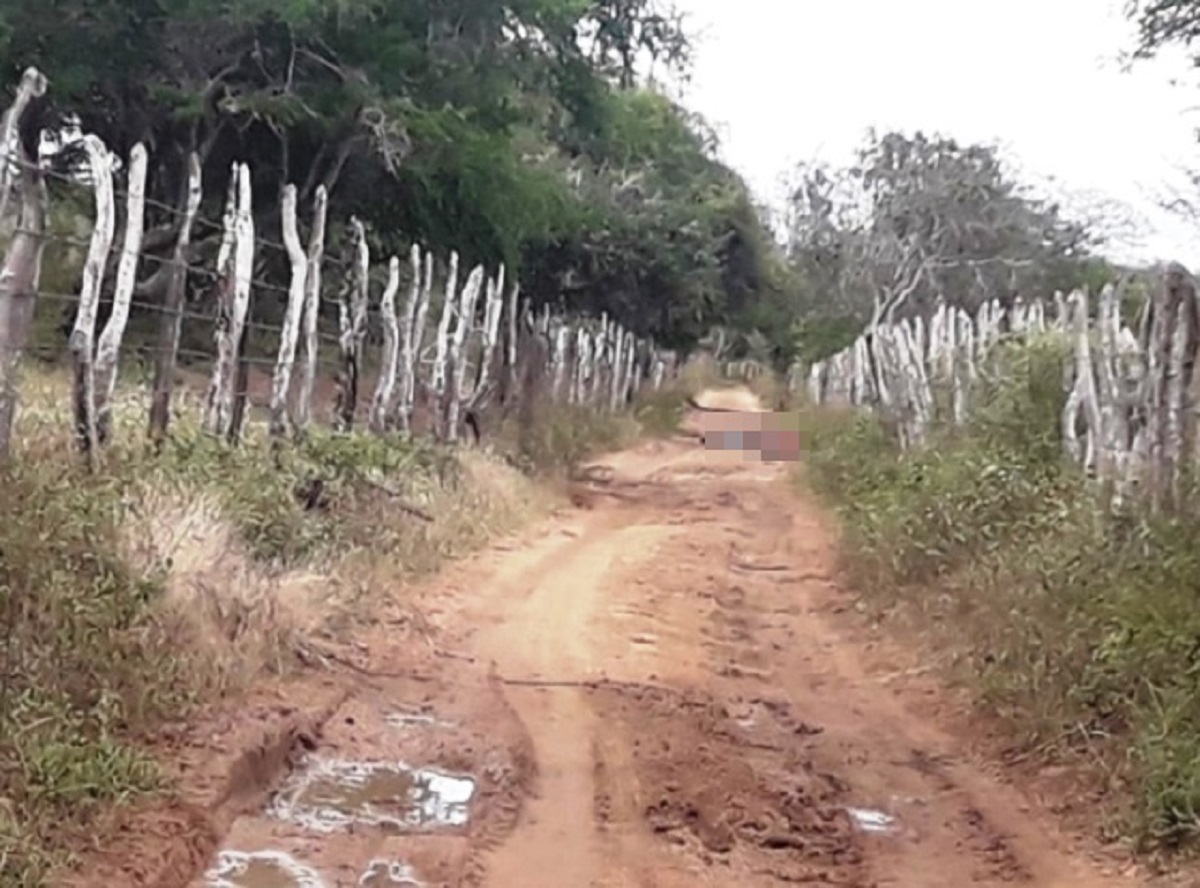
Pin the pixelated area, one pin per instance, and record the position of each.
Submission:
(771, 437)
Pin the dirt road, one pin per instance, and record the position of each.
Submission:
(659, 688)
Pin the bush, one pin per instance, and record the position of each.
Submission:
(1080, 628)
(267, 495)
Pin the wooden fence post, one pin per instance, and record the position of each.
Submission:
(171, 322)
(235, 265)
(281, 381)
(23, 262)
(302, 409)
(386, 384)
(456, 357)
(83, 333)
(108, 351)
(352, 323)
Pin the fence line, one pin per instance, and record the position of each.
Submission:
(470, 358)
(1130, 412)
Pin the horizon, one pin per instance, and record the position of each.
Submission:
(1076, 127)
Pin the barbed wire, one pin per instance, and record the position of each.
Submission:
(46, 350)
(210, 276)
(121, 196)
(184, 314)
(331, 341)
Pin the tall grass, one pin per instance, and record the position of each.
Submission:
(1079, 628)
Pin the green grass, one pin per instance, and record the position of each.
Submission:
(1079, 629)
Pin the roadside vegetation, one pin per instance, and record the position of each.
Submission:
(168, 581)
(1073, 623)
(1076, 626)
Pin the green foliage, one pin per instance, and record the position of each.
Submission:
(509, 132)
(78, 673)
(1079, 627)
(259, 489)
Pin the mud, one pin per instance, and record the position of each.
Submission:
(663, 687)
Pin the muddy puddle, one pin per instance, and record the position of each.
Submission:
(405, 718)
(331, 796)
(388, 874)
(872, 821)
(274, 869)
(262, 869)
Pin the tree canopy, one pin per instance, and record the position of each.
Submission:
(1162, 23)
(917, 220)
(511, 132)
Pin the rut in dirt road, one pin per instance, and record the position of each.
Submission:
(655, 689)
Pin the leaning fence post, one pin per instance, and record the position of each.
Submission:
(171, 322)
(83, 333)
(109, 349)
(23, 262)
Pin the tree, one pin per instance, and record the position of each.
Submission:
(923, 219)
(511, 132)
(667, 238)
(1162, 23)
(366, 98)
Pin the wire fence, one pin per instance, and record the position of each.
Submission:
(455, 343)
(1131, 414)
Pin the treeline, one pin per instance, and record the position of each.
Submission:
(516, 133)
(523, 133)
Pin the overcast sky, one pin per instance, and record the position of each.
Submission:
(788, 80)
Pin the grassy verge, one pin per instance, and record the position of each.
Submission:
(169, 580)
(1079, 629)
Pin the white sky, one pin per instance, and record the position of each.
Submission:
(789, 80)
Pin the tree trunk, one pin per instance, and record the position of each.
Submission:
(84, 332)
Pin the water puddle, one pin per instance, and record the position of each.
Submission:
(332, 795)
(262, 869)
(382, 873)
(401, 718)
(869, 820)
